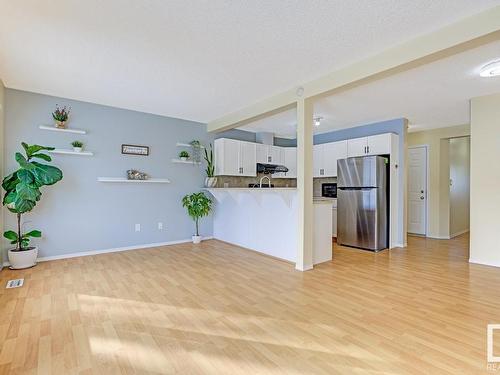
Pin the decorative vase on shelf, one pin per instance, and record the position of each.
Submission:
(61, 124)
(210, 182)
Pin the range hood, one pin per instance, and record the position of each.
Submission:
(271, 168)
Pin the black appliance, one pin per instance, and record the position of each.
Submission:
(329, 190)
(271, 168)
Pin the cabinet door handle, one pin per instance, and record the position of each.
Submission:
(367, 149)
(269, 159)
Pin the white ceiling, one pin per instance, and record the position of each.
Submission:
(432, 96)
(200, 59)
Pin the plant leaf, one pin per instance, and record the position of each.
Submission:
(25, 191)
(23, 162)
(33, 233)
(22, 206)
(10, 235)
(46, 174)
(10, 182)
(42, 156)
(25, 176)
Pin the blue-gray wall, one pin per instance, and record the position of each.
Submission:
(81, 214)
(397, 126)
(243, 135)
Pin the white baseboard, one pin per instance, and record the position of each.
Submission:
(112, 250)
(459, 233)
(306, 268)
(439, 237)
(484, 263)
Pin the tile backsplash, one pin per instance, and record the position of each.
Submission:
(236, 181)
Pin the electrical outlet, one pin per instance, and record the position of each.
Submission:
(160, 226)
(137, 227)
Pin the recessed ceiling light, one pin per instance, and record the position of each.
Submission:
(491, 69)
(317, 121)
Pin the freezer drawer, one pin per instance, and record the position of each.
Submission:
(363, 222)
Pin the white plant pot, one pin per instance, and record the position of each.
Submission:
(196, 239)
(78, 149)
(23, 259)
(184, 158)
(210, 182)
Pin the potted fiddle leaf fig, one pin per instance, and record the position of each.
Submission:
(22, 192)
(197, 205)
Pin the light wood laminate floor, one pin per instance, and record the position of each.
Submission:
(218, 309)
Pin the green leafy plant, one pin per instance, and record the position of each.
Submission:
(197, 205)
(61, 114)
(183, 154)
(22, 189)
(209, 158)
(77, 144)
(195, 143)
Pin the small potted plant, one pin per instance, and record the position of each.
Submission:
(210, 180)
(61, 116)
(22, 192)
(183, 155)
(197, 205)
(77, 146)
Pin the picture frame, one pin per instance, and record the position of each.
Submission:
(135, 150)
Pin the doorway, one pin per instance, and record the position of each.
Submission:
(459, 156)
(417, 190)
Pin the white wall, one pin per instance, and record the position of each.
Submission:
(439, 175)
(459, 157)
(485, 180)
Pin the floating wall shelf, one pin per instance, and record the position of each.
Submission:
(126, 180)
(186, 145)
(54, 129)
(186, 162)
(71, 152)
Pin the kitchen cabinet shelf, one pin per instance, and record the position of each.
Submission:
(126, 180)
(54, 129)
(186, 162)
(71, 152)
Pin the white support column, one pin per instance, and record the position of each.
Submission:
(305, 184)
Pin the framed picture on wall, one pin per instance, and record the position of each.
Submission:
(135, 150)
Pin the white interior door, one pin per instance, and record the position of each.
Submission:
(417, 190)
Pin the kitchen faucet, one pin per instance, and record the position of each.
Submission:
(268, 179)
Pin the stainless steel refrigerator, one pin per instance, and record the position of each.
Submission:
(362, 202)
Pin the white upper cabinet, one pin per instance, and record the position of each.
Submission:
(275, 155)
(235, 158)
(267, 154)
(248, 159)
(373, 145)
(288, 158)
(290, 154)
(318, 161)
(262, 151)
(379, 144)
(325, 158)
(357, 147)
(331, 153)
